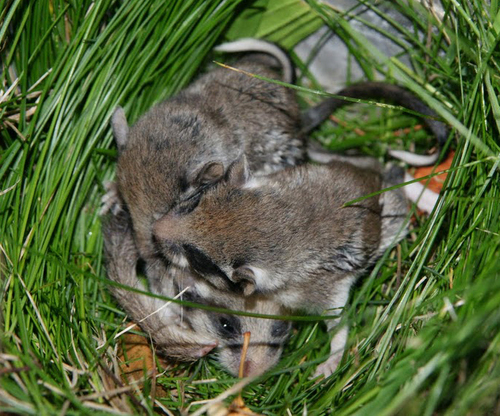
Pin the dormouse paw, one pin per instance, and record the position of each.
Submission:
(327, 368)
(111, 200)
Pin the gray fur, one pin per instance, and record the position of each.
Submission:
(169, 158)
(267, 336)
(288, 236)
(199, 331)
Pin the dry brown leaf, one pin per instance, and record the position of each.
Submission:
(238, 408)
(436, 182)
(137, 358)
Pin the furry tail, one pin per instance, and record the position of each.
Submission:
(258, 45)
(375, 91)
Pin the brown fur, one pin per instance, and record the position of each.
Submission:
(190, 333)
(162, 162)
(288, 236)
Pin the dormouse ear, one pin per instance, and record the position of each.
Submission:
(238, 172)
(120, 128)
(210, 173)
(246, 278)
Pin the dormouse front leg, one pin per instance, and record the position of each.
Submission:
(337, 347)
(111, 200)
(338, 298)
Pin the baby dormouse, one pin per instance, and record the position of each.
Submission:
(198, 331)
(184, 144)
(162, 322)
(180, 148)
(289, 237)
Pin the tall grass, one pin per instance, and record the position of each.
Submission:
(93, 55)
(425, 322)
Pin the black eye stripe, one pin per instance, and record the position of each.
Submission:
(189, 204)
(200, 262)
(192, 201)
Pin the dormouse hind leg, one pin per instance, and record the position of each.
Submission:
(424, 198)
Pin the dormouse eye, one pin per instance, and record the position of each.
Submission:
(228, 326)
(280, 329)
(189, 204)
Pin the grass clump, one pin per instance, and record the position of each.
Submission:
(425, 322)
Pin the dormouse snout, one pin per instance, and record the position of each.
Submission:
(261, 356)
(167, 235)
(203, 350)
(168, 228)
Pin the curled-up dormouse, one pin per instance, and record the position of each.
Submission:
(190, 333)
(184, 145)
(289, 236)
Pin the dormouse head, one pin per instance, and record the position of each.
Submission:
(223, 238)
(271, 233)
(267, 336)
(162, 166)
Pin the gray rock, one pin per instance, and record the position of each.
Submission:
(333, 66)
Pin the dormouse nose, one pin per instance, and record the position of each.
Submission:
(247, 368)
(251, 368)
(167, 227)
